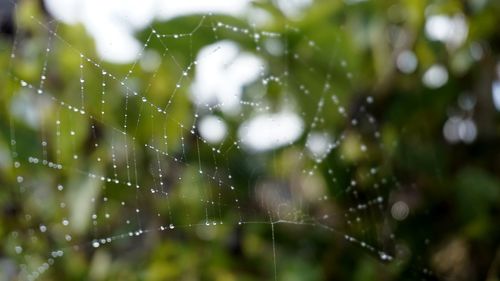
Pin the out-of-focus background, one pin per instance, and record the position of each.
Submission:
(250, 140)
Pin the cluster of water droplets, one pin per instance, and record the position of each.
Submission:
(123, 148)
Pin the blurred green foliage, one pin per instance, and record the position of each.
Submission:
(452, 190)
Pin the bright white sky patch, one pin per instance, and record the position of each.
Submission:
(457, 129)
(67, 11)
(293, 8)
(407, 61)
(172, 9)
(212, 129)
(113, 22)
(450, 30)
(270, 131)
(319, 144)
(435, 77)
(495, 88)
(221, 73)
(26, 109)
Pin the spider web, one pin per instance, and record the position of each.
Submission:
(108, 158)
